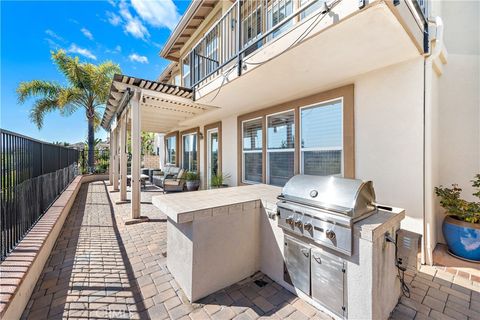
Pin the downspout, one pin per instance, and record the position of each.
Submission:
(429, 228)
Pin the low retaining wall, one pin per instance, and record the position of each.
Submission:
(20, 271)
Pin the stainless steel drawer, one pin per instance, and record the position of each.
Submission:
(328, 281)
(297, 264)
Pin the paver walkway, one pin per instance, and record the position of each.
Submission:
(102, 269)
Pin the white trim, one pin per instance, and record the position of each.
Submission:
(268, 150)
(301, 149)
(209, 153)
(250, 151)
(196, 147)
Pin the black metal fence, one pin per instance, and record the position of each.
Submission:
(34, 173)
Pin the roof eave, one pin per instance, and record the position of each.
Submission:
(189, 13)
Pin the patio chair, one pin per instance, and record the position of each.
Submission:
(175, 184)
(168, 173)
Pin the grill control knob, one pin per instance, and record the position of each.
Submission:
(289, 220)
(330, 234)
(307, 226)
(298, 223)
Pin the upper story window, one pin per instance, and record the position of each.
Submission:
(189, 151)
(314, 7)
(277, 11)
(210, 60)
(177, 81)
(186, 72)
(252, 158)
(171, 150)
(321, 136)
(280, 147)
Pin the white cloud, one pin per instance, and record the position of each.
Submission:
(112, 2)
(53, 35)
(117, 49)
(133, 25)
(113, 19)
(138, 58)
(52, 44)
(87, 33)
(81, 51)
(157, 13)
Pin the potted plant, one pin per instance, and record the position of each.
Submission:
(218, 180)
(193, 181)
(461, 226)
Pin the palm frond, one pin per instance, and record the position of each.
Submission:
(72, 69)
(33, 88)
(103, 79)
(69, 100)
(40, 108)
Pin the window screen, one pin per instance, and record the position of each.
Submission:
(322, 139)
(171, 150)
(252, 150)
(280, 147)
(189, 149)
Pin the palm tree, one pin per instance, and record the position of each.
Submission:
(87, 87)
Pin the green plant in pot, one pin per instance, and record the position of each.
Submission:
(193, 180)
(218, 180)
(461, 226)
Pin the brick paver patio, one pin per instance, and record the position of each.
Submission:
(101, 268)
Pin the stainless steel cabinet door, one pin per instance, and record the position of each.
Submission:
(328, 275)
(297, 264)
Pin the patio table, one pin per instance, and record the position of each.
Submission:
(143, 179)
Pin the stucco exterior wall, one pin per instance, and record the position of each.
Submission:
(459, 98)
(388, 137)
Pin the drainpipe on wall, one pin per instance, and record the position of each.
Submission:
(429, 219)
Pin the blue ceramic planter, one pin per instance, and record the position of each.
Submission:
(463, 238)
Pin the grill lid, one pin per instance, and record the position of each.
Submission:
(351, 197)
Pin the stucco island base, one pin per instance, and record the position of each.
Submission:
(219, 237)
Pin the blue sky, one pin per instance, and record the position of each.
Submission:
(130, 33)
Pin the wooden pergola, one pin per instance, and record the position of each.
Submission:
(138, 105)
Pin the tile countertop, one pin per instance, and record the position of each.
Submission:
(186, 206)
(189, 206)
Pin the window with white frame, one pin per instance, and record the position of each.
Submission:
(211, 52)
(252, 134)
(321, 137)
(186, 72)
(277, 11)
(171, 150)
(313, 8)
(189, 151)
(176, 80)
(280, 147)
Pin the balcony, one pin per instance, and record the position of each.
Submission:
(294, 44)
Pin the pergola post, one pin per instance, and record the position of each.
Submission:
(136, 155)
(110, 160)
(114, 155)
(123, 157)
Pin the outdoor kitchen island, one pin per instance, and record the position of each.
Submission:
(218, 237)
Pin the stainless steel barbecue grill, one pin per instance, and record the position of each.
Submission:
(317, 212)
(324, 209)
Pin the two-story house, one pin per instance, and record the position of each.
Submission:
(378, 90)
